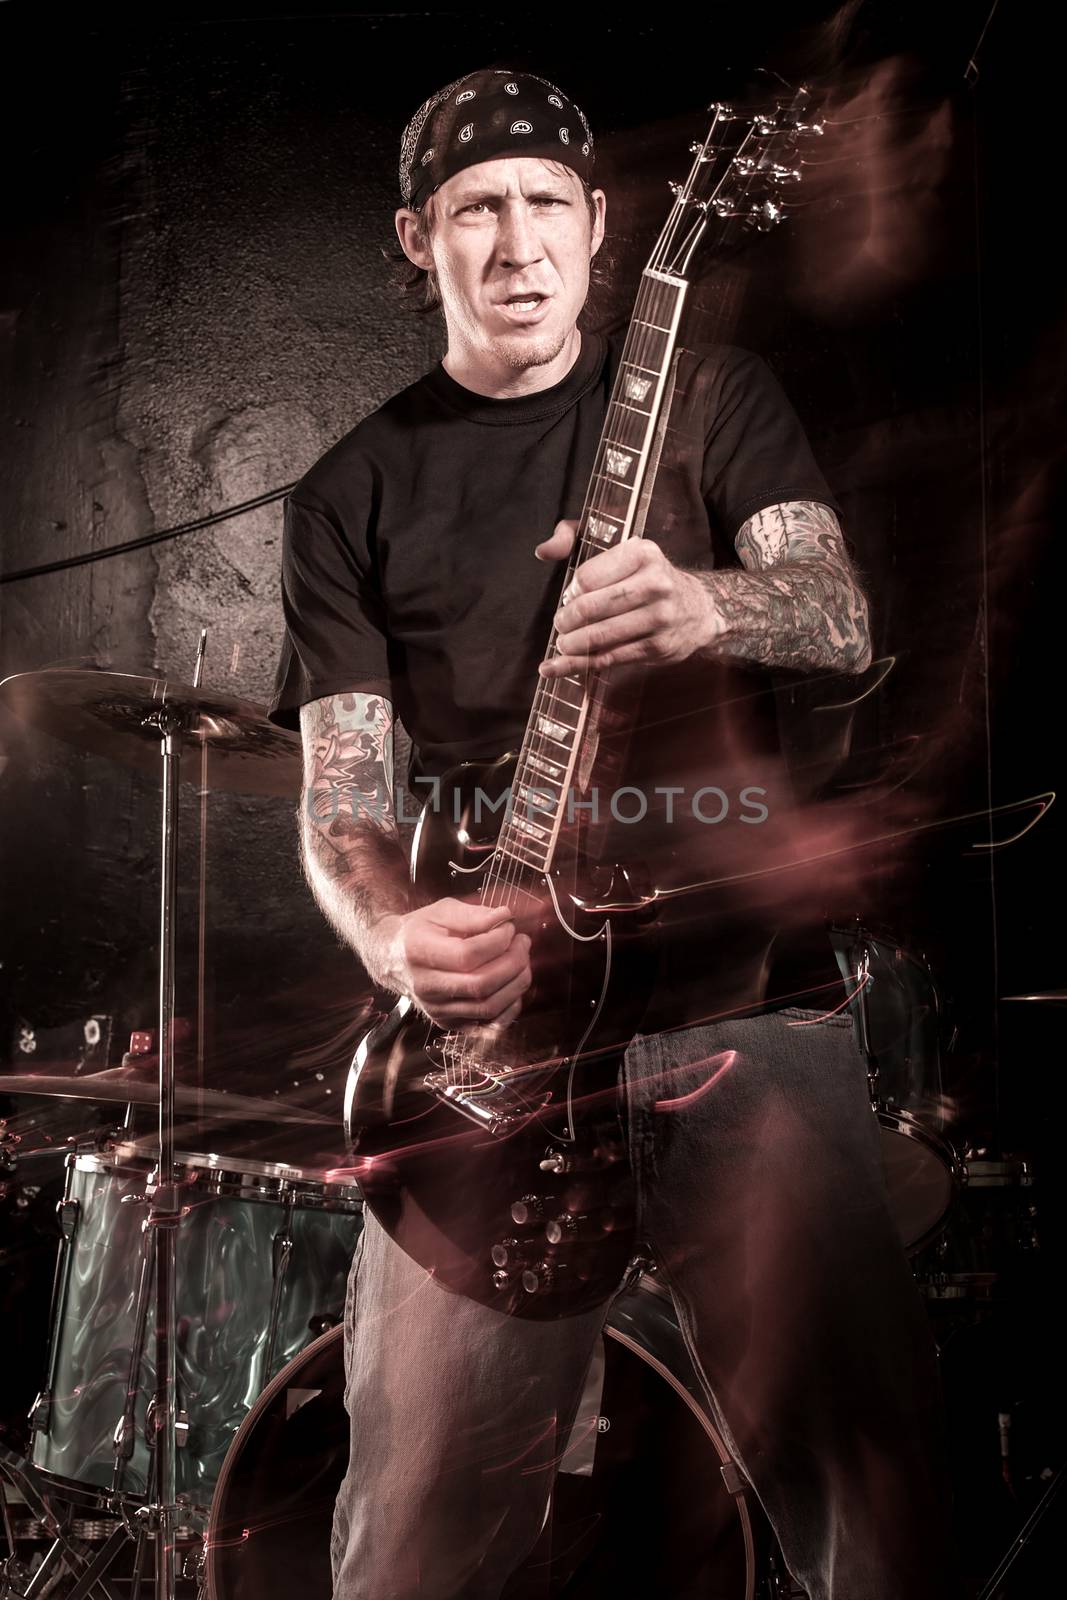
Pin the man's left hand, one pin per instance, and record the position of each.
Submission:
(626, 604)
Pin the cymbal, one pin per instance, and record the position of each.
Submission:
(123, 1087)
(1054, 997)
(117, 714)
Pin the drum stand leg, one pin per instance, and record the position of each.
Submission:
(137, 1575)
(994, 1585)
(94, 1572)
(9, 1527)
(62, 1552)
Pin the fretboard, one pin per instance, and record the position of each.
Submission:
(543, 795)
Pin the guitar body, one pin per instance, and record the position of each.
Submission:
(510, 1185)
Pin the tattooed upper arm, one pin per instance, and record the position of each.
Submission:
(348, 760)
(795, 530)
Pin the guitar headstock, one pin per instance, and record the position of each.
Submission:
(744, 172)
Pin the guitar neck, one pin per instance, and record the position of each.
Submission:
(561, 708)
(733, 183)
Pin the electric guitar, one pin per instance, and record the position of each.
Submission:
(497, 1158)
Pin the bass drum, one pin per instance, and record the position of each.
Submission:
(659, 1470)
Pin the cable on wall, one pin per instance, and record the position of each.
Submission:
(146, 539)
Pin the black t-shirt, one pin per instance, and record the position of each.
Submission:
(408, 570)
(408, 565)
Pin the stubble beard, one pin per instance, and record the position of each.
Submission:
(518, 354)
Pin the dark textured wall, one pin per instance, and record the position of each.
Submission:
(195, 306)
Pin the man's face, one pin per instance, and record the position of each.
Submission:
(511, 245)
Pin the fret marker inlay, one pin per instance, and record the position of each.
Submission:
(619, 462)
(600, 530)
(554, 730)
(637, 388)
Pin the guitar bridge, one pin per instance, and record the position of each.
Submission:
(485, 1099)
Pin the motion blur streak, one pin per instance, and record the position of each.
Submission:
(722, 1064)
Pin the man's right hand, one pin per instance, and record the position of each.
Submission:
(459, 963)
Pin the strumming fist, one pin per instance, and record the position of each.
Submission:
(459, 962)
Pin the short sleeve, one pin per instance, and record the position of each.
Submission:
(756, 453)
(335, 633)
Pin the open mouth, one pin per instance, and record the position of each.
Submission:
(524, 305)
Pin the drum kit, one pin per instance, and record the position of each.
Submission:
(190, 1436)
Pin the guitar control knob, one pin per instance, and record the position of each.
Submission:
(504, 1253)
(540, 1279)
(583, 1227)
(528, 1211)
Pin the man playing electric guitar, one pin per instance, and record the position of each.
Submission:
(410, 583)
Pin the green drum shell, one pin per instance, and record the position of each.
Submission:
(263, 1253)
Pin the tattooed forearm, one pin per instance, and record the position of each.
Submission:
(797, 603)
(349, 845)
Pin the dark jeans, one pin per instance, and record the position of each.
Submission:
(758, 1166)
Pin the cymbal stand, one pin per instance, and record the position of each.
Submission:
(164, 1208)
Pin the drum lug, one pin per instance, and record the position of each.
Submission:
(195, 1565)
(67, 1212)
(321, 1323)
(733, 1478)
(181, 1429)
(40, 1413)
(122, 1440)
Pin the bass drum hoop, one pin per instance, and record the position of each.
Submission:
(638, 1347)
(905, 1125)
(638, 1343)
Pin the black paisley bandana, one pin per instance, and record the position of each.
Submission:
(484, 116)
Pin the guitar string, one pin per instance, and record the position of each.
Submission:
(502, 881)
(550, 698)
(652, 296)
(656, 299)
